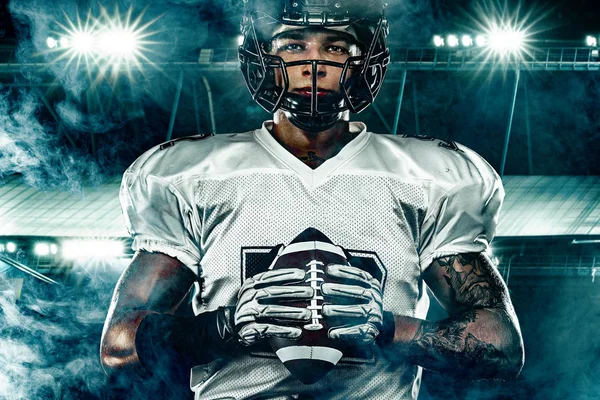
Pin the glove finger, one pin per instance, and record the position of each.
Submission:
(361, 311)
(364, 334)
(351, 292)
(348, 272)
(276, 294)
(252, 333)
(254, 311)
(280, 276)
(274, 277)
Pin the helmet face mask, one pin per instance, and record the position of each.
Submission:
(267, 75)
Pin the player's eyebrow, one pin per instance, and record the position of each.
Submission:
(302, 34)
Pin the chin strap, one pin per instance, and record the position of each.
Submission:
(313, 124)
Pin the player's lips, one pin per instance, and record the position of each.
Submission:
(307, 91)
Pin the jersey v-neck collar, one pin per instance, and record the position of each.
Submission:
(313, 177)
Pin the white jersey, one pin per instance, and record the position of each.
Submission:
(220, 204)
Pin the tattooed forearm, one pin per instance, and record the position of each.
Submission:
(481, 338)
(448, 346)
(472, 281)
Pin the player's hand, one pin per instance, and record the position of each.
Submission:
(262, 299)
(358, 299)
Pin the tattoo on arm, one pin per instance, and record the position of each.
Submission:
(472, 280)
(448, 346)
(470, 343)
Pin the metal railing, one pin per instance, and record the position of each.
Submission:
(581, 266)
(546, 59)
(417, 59)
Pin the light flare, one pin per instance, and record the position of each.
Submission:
(466, 41)
(76, 249)
(51, 43)
(120, 42)
(106, 44)
(480, 40)
(452, 40)
(507, 31)
(507, 40)
(82, 42)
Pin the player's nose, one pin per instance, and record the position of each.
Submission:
(314, 53)
(308, 69)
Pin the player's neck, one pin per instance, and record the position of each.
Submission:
(310, 147)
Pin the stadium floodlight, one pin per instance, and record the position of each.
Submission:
(41, 249)
(591, 41)
(438, 41)
(118, 42)
(11, 247)
(480, 40)
(466, 40)
(92, 248)
(240, 40)
(53, 248)
(452, 40)
(111, 43)
(506, 41)
(82, 42)
(51, 43)
(64, 42)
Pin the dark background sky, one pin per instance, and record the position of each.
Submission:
(568, 19)
(134, 115)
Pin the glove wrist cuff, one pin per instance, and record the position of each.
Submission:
(388, 330)
(226, 327)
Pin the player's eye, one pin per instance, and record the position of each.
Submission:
(291, 47)
(334, 49)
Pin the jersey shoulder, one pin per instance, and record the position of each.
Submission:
(190, 155)
(443, 161)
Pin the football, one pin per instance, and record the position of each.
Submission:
(310, 357)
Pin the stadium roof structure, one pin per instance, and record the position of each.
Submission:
(88, 212)
(534, 206)
(550, 206)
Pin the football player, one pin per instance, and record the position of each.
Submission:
(207, 214)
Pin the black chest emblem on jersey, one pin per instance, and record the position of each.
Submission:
(312, 251)
(255, 260)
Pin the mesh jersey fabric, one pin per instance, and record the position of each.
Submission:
(403, 201)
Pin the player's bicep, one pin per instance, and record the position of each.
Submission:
(466, 281)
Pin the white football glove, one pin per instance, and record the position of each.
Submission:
(262, 296)
(358, 298)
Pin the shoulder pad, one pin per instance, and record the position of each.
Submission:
(194, 138)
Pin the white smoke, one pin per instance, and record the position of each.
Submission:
(49, 337)
(29, 148)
